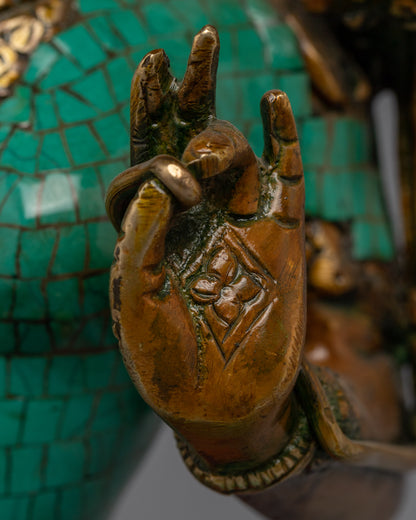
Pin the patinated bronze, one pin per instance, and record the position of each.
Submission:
(208, 296)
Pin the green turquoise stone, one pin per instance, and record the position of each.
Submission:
(95, 90)
(96, 291)
(71, 504)
(21, 152)
(83, 145)
(160, 19)
(282, 48)
(26, 469)
(27, 376)
(98, 372)
(119, 68)
(297, 87)
(192, 14)
(337, 195)
(71, 108)
(90, 6)
(14, 508)
(45, 412)
(77, 416)
(3, 468)
(63, 298)
(9, 243)
(17, 109)
(313, 134)
(66, 374)
(57, 202)
(11, 413)
(114, 135)
(34, 338)
(250, 50)
(256, 138)
(20, 197)
(251, 87)
(225, 14)
(91, 194)
(35, 247)
(102, 238)
(311, 192)
(77, 43)
(66, 461)
(7, 333)
(41, 62)
(109, 170)
(129, 27)
(70, 256)
(44, 506)
(103, 30)
(45, 112)
(3, 376)
(107, 414)
(100, 452)
(7, 289)
(30, 301)
(62, 71)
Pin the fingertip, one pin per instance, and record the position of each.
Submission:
(277, 115)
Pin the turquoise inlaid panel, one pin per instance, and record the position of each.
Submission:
(9, 242)
(160, 19)
(45, 118)
(17, 109)
(21, 152)
(114, 135)
(71, 108)
(77, 416)
(86, 88)
(77, 44)
(29, 300)
(26, 469)
(11, 413)
(83, 145)
(27, 376)
(34, 338)
(71, 239)
(47, 413)
(63, 298)
(44, 506)
(103, 30)
(35, 244)
(66, 461)
(20, 202)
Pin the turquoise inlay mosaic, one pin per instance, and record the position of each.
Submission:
(66, 403)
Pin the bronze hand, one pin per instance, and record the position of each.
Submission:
(209, 303)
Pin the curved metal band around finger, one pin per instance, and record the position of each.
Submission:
(170, 171)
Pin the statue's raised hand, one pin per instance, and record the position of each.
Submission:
(208, 284)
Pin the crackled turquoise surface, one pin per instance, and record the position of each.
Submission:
(67, 408)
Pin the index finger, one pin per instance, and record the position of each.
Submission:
(197, 92)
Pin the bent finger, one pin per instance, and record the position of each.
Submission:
(170, 171)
